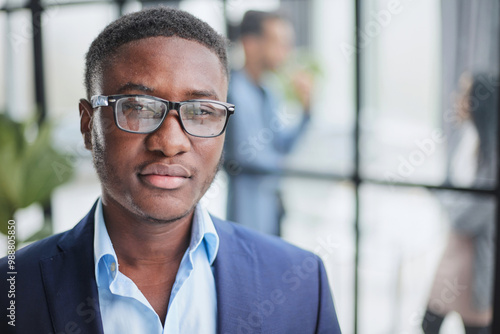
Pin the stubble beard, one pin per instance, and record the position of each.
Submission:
(104, 171)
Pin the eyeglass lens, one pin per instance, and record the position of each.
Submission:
(141, 114)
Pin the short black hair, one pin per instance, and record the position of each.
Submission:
(152, 22)
(252, 23)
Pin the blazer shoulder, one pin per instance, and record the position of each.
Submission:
(51, 246)
(291, 281)
(34, 252)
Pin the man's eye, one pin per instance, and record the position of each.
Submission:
(133, 106)
(205, 111)
(141, 110)
(199, 111)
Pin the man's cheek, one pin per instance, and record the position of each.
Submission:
(103, 126)
(108, 126)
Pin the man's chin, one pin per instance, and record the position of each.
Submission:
(164, 216)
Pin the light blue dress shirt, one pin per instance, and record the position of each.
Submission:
(192, 306)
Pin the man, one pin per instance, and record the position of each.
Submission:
(148, 258)
(259, 138)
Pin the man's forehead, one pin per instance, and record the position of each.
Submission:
(156, 45)
(155, 62)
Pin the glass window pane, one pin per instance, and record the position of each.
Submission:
(65, 45)
(421, 251)
(237, 8)
(324, 143)
(429, 116)
(19, 71)
(431, 88)
(402, 139)
(16, 3)
(327, 144)
(318, 217)
(131, 6)
(210, 11)
(470, 91)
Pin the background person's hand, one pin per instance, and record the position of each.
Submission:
(303, 84)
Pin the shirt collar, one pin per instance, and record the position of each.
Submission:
(103, 248)
(203, 230)
(203, 233)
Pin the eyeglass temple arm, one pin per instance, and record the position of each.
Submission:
(99, 101)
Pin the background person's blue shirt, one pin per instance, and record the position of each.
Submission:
(192, 306)
(258, 137)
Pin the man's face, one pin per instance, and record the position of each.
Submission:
(277, 42)
(132, 166)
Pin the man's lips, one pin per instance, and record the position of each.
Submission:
(165, 176)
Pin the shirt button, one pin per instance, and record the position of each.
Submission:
(113, 267)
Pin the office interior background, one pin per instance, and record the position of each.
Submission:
(387, 159)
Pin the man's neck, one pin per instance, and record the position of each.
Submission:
(139, 243)
(149, 253)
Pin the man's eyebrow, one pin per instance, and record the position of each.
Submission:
(135, 87)
(197, 94)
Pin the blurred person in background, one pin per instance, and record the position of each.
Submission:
(463, 282)
(264, 132)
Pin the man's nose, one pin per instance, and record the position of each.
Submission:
(169, 138)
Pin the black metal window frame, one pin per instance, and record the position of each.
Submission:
(36, 9)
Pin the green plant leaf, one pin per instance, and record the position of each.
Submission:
(30, 169)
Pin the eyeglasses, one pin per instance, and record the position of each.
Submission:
(145, 114)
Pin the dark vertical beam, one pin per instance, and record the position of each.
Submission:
(36, 21)
(495, 326)
(226, 20)
(356, 173)
(121, 4)
(40, 99)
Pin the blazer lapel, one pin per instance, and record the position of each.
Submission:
(237, 280)
(69, 282)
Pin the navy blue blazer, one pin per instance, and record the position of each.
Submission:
(264, 285)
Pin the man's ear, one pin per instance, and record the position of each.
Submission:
(86, 114)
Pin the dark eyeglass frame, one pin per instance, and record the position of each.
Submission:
(111, 100)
